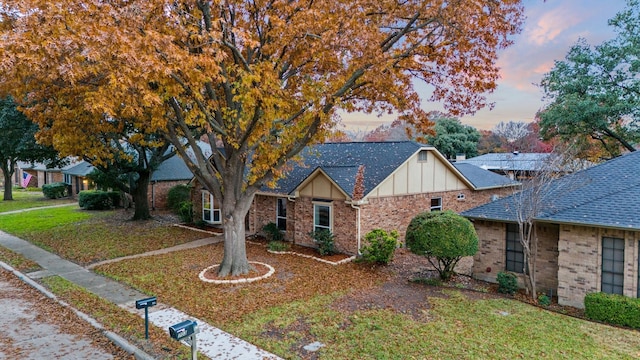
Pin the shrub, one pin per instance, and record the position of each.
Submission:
(544, 300)
(272, 232)
(116, 198)
(185, 211)
(178, 195)
(613, 309)
(95, 200)
(444, 236)
(55, 190)
(507, 282)
(324, 239)
(277, 246)
(379, 246)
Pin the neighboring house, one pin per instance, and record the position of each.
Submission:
(589, 234)
(41, 174)
(398, 181)
(169, 173)
(515, 165)
(76, 177)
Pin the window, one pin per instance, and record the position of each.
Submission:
(210, 213)
(436, 204)
(612, 265)
(514, 251)
(322, 216)
(281, 214)
(67, 179)
(423, 155)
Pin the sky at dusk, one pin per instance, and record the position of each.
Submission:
(550, 29)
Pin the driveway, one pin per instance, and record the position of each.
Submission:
(36, 327)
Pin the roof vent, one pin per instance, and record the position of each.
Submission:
(516, 152)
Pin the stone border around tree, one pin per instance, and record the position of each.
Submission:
(237, 281)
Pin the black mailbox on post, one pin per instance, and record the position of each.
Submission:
(182, 330)
(145, 303)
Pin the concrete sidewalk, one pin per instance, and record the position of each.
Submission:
(212, 342)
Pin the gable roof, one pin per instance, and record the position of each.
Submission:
(340, 161)
(508, 161)
(605, 195)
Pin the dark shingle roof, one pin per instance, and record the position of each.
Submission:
(605, 195)
(172, 169)
(483, 179)
(508, 161)
(81, 169)
(341, 162)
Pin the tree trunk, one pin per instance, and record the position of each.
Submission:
(7, 171)
(234, 261)
(140, 199)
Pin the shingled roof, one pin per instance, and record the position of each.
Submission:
(605, 195)
(483, 179)
(340, 161)
(509, 161)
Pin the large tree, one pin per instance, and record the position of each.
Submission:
(452, 137)
(18, 143)
(595, 92)
(262, 79)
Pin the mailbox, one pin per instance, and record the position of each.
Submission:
(182, 330)
(145, 303)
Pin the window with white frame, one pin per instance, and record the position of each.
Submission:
(436, 204)
(322, 216)
(612, 278)
(281, 214)
(210, 209)
(67, 179)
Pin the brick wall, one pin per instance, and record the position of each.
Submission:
(581, 262)
(395, 212)
(491, 255)
(159, 191)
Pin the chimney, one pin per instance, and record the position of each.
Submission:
(461, 157)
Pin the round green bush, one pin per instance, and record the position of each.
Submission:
(379, 246)
(444, 236)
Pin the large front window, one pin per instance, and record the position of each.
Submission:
(210, 209)
(612, 265)
(322, 216)
(514, 252)
(281, 214)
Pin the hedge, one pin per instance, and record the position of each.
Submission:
(55, 190)
(97, 199)
(613, 309)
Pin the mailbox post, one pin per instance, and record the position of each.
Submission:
(146, 304)
(186, 331)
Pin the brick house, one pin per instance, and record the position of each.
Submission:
(398, 181)
(588, 234)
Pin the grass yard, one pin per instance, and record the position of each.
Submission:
(307, 301)
(356, 311)
(17, 261)
(23, 199)
(90, 236)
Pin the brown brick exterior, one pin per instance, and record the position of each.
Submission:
(395, 212)
(159, 191)
(569, 258)
(491, 256)
(580, 261)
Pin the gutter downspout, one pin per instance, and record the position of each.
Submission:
(356, 205)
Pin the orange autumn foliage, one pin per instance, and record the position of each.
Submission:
(264, 78)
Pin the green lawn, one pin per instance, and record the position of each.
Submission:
(300, 303)
(297, 306)
(23, 199)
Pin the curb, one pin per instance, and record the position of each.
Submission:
(113, 337)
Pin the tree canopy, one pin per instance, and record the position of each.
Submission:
(452, 138)
(595, 92)
(259, 80)
(18, 143)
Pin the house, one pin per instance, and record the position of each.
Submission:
(588, 233)
(516, 165)
(41, 174)
(76, 177)
(397, 180)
